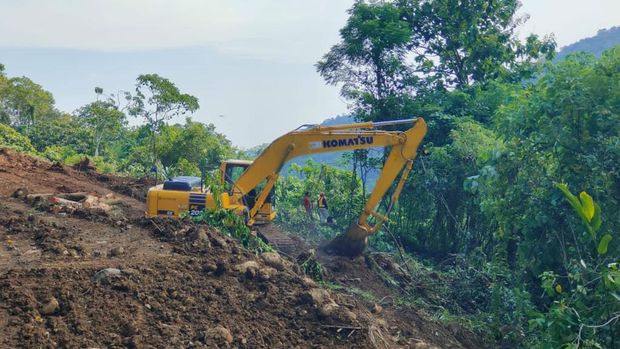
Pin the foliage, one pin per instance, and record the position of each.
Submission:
(312, 268)
(157, 100)
(585, 303)
(392, 50)
(457, 43)
(23, 102)
(315, 178)
(369, 62)
(12, 139)
(233, 225)
(60, 130)
(103, 119)
(184, 147)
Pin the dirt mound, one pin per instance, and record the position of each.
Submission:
(79, 279)
(85, 165)
(36, 175)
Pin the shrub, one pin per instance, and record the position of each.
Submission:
(13, 139)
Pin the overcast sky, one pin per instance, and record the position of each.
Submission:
(250, 63)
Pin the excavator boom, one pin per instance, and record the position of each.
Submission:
(312, 139)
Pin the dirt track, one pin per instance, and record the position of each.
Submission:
(90, 280)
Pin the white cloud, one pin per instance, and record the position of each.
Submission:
(272, 29)
(277, 30)
(569, 20)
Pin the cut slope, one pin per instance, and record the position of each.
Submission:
(89, 280)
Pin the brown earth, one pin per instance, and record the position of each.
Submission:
(89, 279)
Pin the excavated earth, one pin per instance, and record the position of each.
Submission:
(93, 279)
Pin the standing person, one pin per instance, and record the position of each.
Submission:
(322, 205)
(308, 205)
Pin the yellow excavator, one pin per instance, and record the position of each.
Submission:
(249, 184)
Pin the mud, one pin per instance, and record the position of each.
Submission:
(85, 280)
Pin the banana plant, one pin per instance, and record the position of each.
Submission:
(590, 214)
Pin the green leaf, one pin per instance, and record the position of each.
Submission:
(572, 200)
(615, 295)
(587, 205)
(596, 220)
(603, 244)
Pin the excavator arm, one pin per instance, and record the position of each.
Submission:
(313, 139)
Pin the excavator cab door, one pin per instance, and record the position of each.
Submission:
(230, 171)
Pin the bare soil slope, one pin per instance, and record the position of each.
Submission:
(89, 279)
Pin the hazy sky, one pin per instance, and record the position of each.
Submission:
(249, 62)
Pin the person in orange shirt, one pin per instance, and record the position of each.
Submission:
(308, 205)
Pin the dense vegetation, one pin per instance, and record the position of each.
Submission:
(100, 129)
(515, 193)
(507, 129)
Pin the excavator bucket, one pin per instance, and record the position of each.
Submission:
(350, 244)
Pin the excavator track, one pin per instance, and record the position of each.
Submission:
(276, 238)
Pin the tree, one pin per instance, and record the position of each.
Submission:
(456, 43)
(369, 61)
(191, 145)
(12, 139)
(60, 130)
(4, 83)
(23, 102)
(103, 118)
(156, 100)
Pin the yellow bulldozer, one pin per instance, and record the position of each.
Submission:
(250, 184)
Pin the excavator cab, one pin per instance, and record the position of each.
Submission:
(230, 171)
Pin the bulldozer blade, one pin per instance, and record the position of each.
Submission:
(350, 244)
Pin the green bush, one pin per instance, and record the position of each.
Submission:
(58, 152)
(13, 139)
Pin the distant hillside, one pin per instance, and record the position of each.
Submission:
(604, 39)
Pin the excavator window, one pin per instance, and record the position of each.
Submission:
(232, 173)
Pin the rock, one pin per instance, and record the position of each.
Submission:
(50, 307)
(209, 268)
(424, 345)
(266, 273)
(220, 334)
(308, 282)
(249, 267)
(34, 219)
(107, 274)
(129, 329)
(222, 268)
(328, 310)
(273, 259)
(380, 322)
(200, 237)
(316, 296)
(218, 241)
(346, 316)
(20, 193)
(376, 308)
(117, 251)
